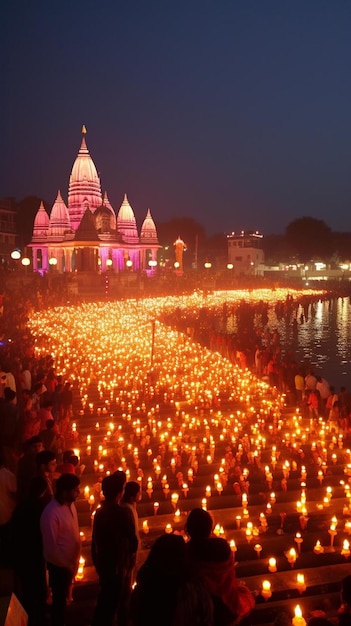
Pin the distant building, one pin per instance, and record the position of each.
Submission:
(245, 253)
(7, 228)
(86, 234)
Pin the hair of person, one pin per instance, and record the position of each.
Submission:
(168, 552)
(67, 455)
(74, 460)
(44, 457)
(131, 489)
(50, 424)
(216, 550)
(113, 485)
(163, 573)
(66, 482)
(120, 479)
(199, 524)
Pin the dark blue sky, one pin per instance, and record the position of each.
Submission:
(234, 113)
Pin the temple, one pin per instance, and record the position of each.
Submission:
(86, 234)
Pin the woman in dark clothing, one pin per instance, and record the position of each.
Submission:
(211, 558)
(166, 593)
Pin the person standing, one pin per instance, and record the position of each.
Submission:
(299, 382)
(168, 592)
(131, 496)
(113, 546)
(324, 392)
(27, 466)
(212, 559)
(46, 467)
(66, 408)
(61, 542)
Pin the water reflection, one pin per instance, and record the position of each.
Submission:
(321, 336)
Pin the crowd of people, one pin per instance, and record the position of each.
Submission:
(188, 582)
(179, 582)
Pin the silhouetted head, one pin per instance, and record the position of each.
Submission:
(67, 488)
(131, 491)
(168, 552)
(113, 486)
(199, 524)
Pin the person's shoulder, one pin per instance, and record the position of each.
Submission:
(105, 510)
(128, 510)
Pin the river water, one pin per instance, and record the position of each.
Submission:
(321, 338)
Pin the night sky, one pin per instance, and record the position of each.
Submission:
(234, 113)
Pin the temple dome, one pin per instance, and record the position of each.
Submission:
(126, 223)
(148, 231)
(59, 219)
(84, 186)
(125, 212)
(41, 224)
(107, 203)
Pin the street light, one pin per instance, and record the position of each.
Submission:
(152, 264)
(230, 266)
(52, 261)
(207, 265)
(15, 255)
(108, 262)
(129, 264)
(25, 262)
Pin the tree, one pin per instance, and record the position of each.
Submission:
(310, 238)
(277, 249)
(342, 246)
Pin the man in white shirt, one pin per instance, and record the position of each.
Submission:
(61, 542)
(310, 381)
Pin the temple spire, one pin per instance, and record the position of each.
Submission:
(84, 130)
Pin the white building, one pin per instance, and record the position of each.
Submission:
(245, 253)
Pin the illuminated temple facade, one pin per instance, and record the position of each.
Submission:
(86, 234)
